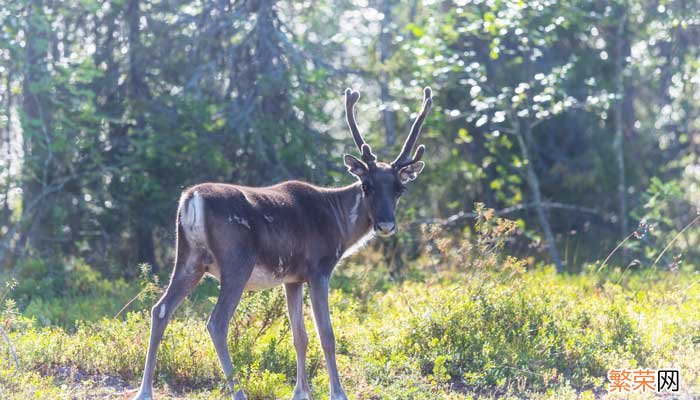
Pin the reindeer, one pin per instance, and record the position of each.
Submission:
(290, 233)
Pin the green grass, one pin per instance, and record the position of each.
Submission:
(531, 334)
(465, 321)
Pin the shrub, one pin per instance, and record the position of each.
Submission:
(520, 334)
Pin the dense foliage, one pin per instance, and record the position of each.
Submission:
(579, 121)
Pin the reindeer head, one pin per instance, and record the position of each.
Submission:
(382, 183)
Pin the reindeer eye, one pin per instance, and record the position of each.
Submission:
(401, 190)
(367, 188)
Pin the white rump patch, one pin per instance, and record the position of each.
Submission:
(161, 315)
(192, 219)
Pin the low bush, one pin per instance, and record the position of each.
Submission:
(468, 322)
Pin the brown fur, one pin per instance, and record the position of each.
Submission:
(290, 233)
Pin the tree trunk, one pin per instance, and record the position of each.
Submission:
(523, 133)
(7, 144)
(137, 94)
(136, 86)
(6, 213)
(618, 143)
(388, 116)
(145, 246)
(36, 140)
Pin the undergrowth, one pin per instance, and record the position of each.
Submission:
(467, 321)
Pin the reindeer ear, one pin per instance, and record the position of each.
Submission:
(411, 171)
(355, 166)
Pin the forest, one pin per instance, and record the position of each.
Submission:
(553, 235)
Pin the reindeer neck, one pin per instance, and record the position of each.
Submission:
(352, 214)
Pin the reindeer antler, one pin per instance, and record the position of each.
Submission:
(404, 157)
(351, 98)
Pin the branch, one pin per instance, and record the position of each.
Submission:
(30, 208)
(508, 210)
(11, 348)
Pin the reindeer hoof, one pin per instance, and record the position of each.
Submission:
(339, 396)
(301, 394)
(143, 396)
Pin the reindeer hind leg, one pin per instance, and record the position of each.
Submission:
(236, 266)
(186, 275)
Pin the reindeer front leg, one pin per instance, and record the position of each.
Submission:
(318, 288)
(295, 304)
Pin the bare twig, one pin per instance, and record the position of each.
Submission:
(668, 245)
(11, 348)
(505, 211)
(615, 250)
(130, 301)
